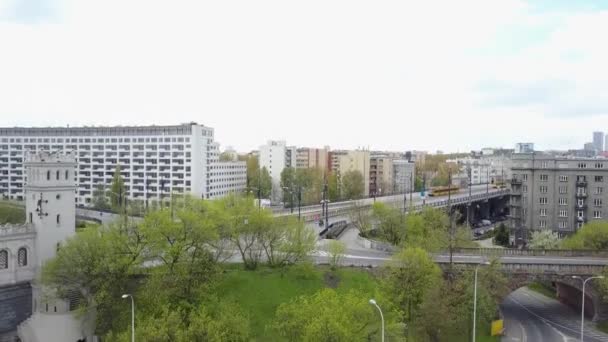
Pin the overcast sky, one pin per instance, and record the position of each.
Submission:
(448, 75)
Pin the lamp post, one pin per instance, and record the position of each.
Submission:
(124, 296)
(583, 301)
(373, 302)
(475, 299)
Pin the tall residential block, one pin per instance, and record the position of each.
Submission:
(358, 160)
(276, 156)
(313, 158)
(404, 176)
(554, 193)
(155, 161)
(598, 141)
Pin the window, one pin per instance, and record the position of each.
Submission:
(57, 175)
(48, 175)
(597, 214)
(524, 177)
(22, 257)
(58, 220)
(563, 201)
(597, 202)
(582, 165)
(599, 178)
(544, 164)
(543, 189)
(563, 213)
(31, 218)
(562, 225)
(579, 214)
(580, 202)
(3, 259)
(544, 178)
(67, 174)
(599, 165)
(543, 200)
(599, 190)
(579, 225)
(563, 189)
(543, 211)
(542, 224)
(524, 188)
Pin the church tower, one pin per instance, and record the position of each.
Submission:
(50, 200)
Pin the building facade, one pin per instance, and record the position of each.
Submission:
(50, 218)
(380, 175)
(598, 141)
(524, 148)
(313, 158)
(155, 161)
(357, 160)
(560, 194)
(276, 156)
(404, 176)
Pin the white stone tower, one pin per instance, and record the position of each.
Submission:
(50, 200)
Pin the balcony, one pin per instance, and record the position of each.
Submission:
(581, 206)
(581, 182)
(580, 219)
(581, 195)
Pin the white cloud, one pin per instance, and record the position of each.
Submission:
(344, 73)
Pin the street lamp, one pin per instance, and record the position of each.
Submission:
(475, 299)
(124, 296)
(583, 301)
(373, 302)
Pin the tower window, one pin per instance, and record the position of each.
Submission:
(58, 221)
(57, 175)
(31, 218)
(22, 256)
(48, 175)
(3, 259)
(67, 174)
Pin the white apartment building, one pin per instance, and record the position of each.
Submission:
(486, 169)
(275, 156)
(155, 161)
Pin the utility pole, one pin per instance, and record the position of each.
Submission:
(469, 202)
(325, 203)
(450, 218)
(404, 195)
(411, 186)
(299, 202)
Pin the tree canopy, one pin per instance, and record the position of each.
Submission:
(593, 235)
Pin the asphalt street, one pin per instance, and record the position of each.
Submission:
(532, 317)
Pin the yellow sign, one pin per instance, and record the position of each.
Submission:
(497, 327)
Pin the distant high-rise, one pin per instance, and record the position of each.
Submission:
(606, 145)
(524, 148)
(598, 141)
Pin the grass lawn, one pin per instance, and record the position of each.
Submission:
(260, 292)
(542, 289)
(10, 213)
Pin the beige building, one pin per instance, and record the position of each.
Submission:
(354, 160)
(380, 175)
(313, 158)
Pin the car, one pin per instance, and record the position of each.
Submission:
(486, 222)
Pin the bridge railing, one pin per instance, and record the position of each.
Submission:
(531, 252)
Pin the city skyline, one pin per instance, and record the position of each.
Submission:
(343, 74)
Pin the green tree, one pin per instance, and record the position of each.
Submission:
(97, 264)
(289, 185)
(118, 194)
(593, 235)
(352, 185)
(257, 178)
(286, 241)
(501, 236)
(544, 239)
(167, 324)
(180, 241)
(333, 187)
(390, 223)
(328, 316)
(336, 250)
(99, 200)
(264, 183)
(410, 274)
(428, 229)
(361, 218)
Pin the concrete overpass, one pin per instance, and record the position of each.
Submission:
(480, 194)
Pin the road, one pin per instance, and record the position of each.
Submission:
(532, 317)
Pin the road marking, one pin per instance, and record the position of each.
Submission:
(542, 318)
(523, 332)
